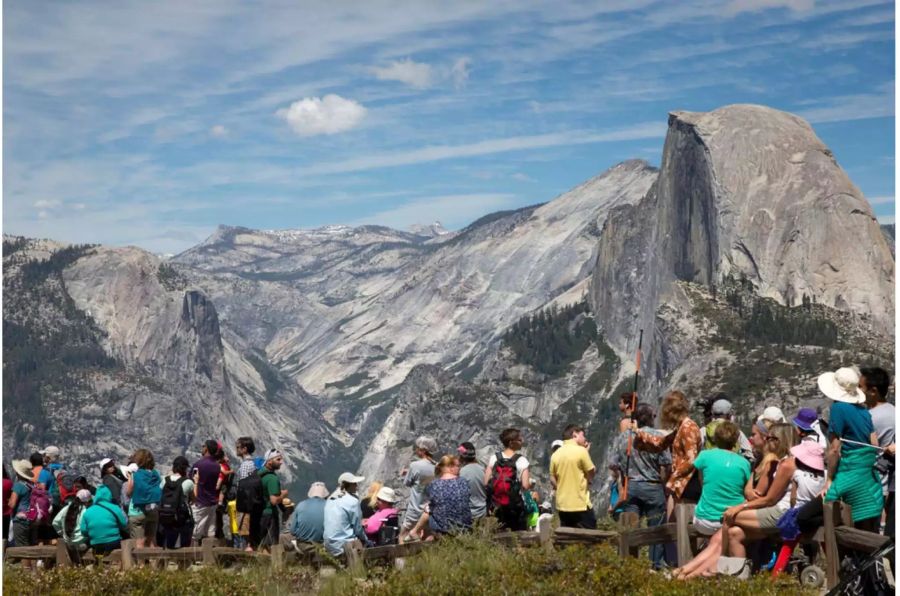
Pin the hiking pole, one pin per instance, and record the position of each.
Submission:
(869, 445)
(623, 495)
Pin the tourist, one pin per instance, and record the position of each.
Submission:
(244, 449)
(19, 502)
(103, 523)
(473, 472)
(765, 460)
(725, 475)
(571, 474)
(307, 526)
(875, 383)
(67, 524)
(343, 518)
(205, 474)
(447, 510)
(420, 473)
(507, 477)
(852, 449)
(175, 506)
(52, 467)
(369, 504)
(37, 468)
(273, 495)
(720, 411)
(773, 414)
(625, 403)
(112, 478)
(646, 496)
(143, 489)
(383, 526)
(224, 489)
(7, 510)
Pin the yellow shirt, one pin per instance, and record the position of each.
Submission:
(569, 465)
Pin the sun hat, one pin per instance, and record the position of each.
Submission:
(317, 489)
(287, 503)
(51, 451)
(387, 494)
(84, 495)
(842, 385)
(810, 454)
(721, 407)
(805, 418)
(105, 462)
(350, 478)
(428, 444)
(556, 444)
(23, 468)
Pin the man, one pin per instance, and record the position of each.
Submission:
(507, 477)
(571, 473)
(273, 495)
(206, 477)
(646, 473)
(244, 449)
(473, 472)
(51, 468)
(721, 412)
(875, 383)
(307, 524)
(625, 409)
(343, 517)
(420, 473)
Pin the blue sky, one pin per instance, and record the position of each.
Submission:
(150, 123)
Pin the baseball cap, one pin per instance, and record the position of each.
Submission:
(721, 407)
(556, 444)
(84, 495)
(271, 454)
(52, 451)
(350, 478)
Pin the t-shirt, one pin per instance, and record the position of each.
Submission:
(569, 464)
(724, 475)
(420, 473)
(884, 423)
(850, 421)
(474, 475)
(644, 465)
(47, 479)
(271, 486)
(208, 471)
(448, 504)
(187, 487)
(24, 502)
(521, 464)
(308, 522)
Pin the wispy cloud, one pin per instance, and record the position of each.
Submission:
(415, 74)
(739, 6)
(884, 200)
(452, 210)
(852, 107)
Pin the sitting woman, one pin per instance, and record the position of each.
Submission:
(447, 511)
(724, 475)
(383, 526)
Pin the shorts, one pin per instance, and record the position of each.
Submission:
(144, 525)
(768, 517)
(22, 534)
(578, 519)
(204, 521)
(706, 527)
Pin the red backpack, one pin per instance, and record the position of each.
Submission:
(506, 490)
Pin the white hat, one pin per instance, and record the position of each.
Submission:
(317, 489)
(23, 468)
(387, 494)
(271, 454)
(773, 414)
(350, 478)
(84, 495)
(842, 385)
(51, 451)
(104, 462)
(555, 444)
(722, 407)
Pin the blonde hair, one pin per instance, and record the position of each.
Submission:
(779, 440)
(674, 409)
(372, 493)
(446, 462)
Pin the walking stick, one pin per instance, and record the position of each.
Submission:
(623, 495)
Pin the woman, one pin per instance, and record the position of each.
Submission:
(103, 523)
(19, 502)
(369, 504)
(67, 524)
(447, 511)
(175, 532)
(144, 492)
(383, 526)
(111, 478)
(766, 461)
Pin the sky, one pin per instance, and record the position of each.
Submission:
(151, 123)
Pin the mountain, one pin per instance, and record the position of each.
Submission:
(749, 259)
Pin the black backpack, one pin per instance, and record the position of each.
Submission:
(250, 493)
(173, 507)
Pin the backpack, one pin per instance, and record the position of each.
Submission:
(505, 487)
(250, 493)
(38, 505)
(710, 431)
(173, 507)
(64, 487)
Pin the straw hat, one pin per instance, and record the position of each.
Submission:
(23, 468)
(842, 385)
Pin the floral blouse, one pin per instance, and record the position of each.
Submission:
(685, 444)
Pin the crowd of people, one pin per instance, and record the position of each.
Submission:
(746, 490)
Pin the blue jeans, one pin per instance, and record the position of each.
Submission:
(648, 499)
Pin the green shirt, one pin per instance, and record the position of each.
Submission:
(271, 486)
(724, 475)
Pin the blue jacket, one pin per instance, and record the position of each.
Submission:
(146, 487)
(102, 521)
(343, 523)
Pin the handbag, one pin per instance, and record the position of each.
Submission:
(738, 567)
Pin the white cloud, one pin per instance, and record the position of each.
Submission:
(47, 204)
(886, 219)
(417, 75)
(739, 6)
(327, 115)
(522, 177)
(460, 72)
(451, 210)
(218, 131)
(853, 107)
(881, 200)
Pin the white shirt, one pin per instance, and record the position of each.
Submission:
(521, 464)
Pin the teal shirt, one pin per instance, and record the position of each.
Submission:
(724, 475)
(851, 421)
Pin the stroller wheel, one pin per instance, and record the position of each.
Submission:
(812, 577)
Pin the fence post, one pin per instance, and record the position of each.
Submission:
(832, 555)
(62, 554)
(127, 554)
(545, 530)
(206, 546)
(277, 557)
(355, 563)
(624, 543)
(684, 514)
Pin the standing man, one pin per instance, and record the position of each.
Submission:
(273, 495)
(875, 383)
(473, 472)
(205, 473)
(571, 473)
(420, 473)
(721, 412)
(244, 449)
(343, 517)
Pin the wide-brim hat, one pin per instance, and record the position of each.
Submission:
(842, 385)
(811, 454)
(350, 478)
(317, 489)
(387, 494)
(805, 419)
(23, 468)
